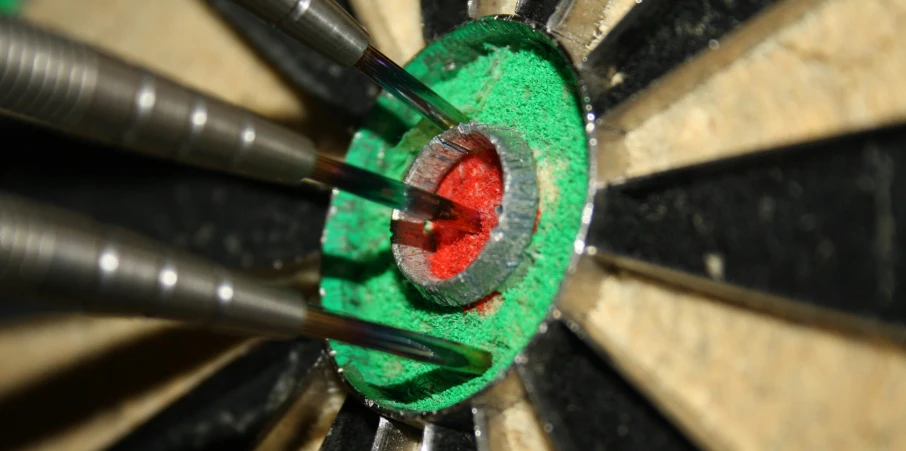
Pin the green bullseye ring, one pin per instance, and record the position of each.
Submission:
(497, 72)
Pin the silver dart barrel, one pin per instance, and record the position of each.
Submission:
(63, 257)
(322, 25)
(328, 29)
(70, 259)
(52, 80)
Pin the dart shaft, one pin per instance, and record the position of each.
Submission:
(395, 194)
(62, 83)
(383, 71)
(413, 345)
(60, 256)
(330, 30)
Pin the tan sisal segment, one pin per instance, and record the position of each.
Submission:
(395, 26)
(481, 8)
(181, 39)
(510, 422)
(737, 379)
(582, 24)
(836, 66)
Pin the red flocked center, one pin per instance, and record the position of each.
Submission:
(476, 181)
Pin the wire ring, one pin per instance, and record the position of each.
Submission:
(504, 250)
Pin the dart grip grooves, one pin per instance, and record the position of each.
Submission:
(68, 85)
(320, 24)
(64, 257)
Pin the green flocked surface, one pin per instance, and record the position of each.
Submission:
(10, 7)
(477, 69)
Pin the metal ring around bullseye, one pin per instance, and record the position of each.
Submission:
(505, 249)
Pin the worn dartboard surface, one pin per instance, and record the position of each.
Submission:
(734, 270)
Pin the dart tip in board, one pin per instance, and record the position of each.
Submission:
(453, 356)
(395, 194)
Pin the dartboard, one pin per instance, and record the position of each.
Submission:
(717, 260)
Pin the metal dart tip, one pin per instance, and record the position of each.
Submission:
(395, 194)
(451, 214)
(413, 345)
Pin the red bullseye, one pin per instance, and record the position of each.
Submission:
(476, 181)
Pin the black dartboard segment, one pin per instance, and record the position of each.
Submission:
(440, 438)
(820, 223)
(353, 429)
(656, 38)
(441, 16)
(585, 404)
(538, 10)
